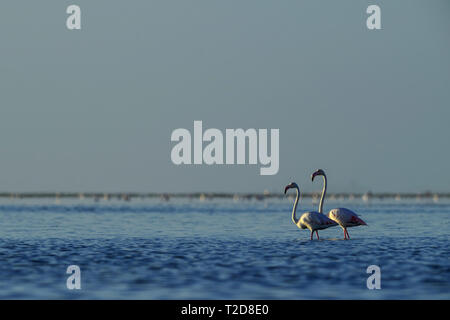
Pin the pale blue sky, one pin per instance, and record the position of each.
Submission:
(93, 110)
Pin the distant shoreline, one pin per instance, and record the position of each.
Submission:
(211, 195)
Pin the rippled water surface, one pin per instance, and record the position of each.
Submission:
(220, 249)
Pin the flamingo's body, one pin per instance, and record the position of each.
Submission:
(344, 217)
(313, 220)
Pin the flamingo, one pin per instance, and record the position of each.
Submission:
(313, 220)
(346, 218)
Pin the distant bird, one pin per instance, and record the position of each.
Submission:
(343, 216)
(313, 220)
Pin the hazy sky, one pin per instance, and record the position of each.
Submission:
(93, 110)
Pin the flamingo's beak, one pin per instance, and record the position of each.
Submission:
(313, 176)
(287, 188)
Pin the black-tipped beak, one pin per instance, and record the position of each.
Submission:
(313, 176)
(286, 188)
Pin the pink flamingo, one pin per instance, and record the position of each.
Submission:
(313, 220)
(343, 216)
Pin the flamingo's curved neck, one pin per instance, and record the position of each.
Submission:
(294, 218)
(324, 191)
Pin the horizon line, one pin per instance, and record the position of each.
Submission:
(244, 195)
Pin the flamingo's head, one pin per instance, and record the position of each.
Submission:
(290, 186)
(318, 172)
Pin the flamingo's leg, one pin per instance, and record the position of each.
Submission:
(317, 233)
(345, 234)
(348, 236)
(312, 232)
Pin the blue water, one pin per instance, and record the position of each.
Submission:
(220, 249)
